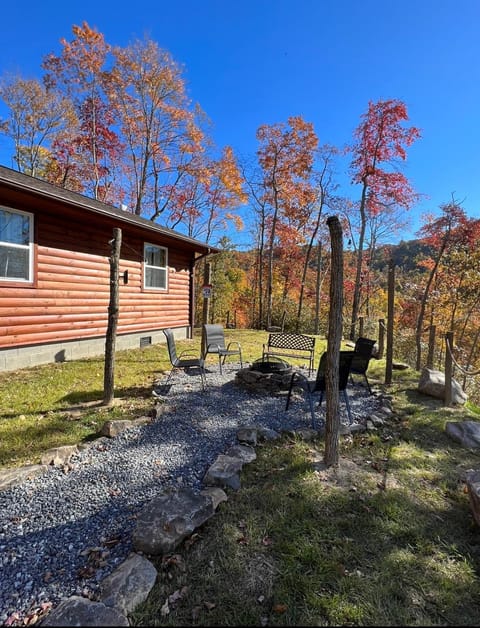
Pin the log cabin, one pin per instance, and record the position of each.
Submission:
(55, 250)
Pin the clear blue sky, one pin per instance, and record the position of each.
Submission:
(253, 62)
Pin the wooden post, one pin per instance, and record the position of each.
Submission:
(381, 337)
(335, 329)
(109, 369)
(431, 346)
(207, 280)
(360, 326)
(318, 288)
(390, 311)
(448, 368)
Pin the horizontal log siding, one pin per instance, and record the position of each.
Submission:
(71, 296)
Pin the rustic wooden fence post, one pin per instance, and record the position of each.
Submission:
(109, 368)
(335, 332)
(361, 325)
(431, 346)
(390, 311)
(207, 280)
(381, 338)
(448, 368)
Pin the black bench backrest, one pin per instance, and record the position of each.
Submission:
(297, 342)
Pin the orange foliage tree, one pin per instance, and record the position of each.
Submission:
(380, 140)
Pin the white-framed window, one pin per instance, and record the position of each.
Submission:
(155, 267)
(16, 245)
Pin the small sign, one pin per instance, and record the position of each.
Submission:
(207, 291)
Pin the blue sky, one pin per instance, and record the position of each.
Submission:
(258, 62)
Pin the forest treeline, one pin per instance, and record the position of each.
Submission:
(117, 124)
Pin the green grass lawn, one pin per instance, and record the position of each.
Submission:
(385, 538)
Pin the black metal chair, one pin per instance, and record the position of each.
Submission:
(318, 385)
(362, 354)
(180, 362)
(214, 342)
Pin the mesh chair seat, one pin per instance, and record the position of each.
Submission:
(180, 362)
(214, 342)
(318, 385)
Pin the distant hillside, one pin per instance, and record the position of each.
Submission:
(404, 254)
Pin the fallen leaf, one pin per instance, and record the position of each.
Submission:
(280, 608)
(267, 541)
(209, 605)
(165, 610)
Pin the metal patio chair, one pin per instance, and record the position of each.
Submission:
(214, 342)
(318, 385)
(362, 354)
(180, 361)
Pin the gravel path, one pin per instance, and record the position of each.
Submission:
(62, 533)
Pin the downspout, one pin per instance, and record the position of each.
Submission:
(193, 261)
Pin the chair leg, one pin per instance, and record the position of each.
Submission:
(220, 363)
(312, 409)
(203, 378)
(347, 403)
(368, 383)
(290, 391)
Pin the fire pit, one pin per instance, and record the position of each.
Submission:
(268, 376)
(271, 365)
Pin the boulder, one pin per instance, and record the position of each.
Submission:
(79, 611)
(432, 383)
(467, 433)
(169, 519)
(129, 585)
(473, 486)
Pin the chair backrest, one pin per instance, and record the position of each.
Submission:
(172, 351)
(362, 354)
(214, 335)
(345, 362)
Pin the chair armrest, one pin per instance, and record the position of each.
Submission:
(187, 352)
(233, 342)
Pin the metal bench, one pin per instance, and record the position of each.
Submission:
(290, 346)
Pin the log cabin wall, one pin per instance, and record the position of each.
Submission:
(63, 314)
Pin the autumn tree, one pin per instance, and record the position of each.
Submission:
(380, 141)
(286, 157)
(37, 117)
(78, 71)
(163, 138)
(206, 200)
(451, 231)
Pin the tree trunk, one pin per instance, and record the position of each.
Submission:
(333, 344)
(110, 339)
(359, 263)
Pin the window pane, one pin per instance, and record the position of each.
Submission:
(155, 256)
(13, 263)
(14, 228)
(155, 278)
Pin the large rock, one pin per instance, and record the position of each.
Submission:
(467, 433)
(169, 519)
(129, 585)
(432, 383)
(58, 456)
(473, 486)
(79, 611)
(17, 475)
(224, 472)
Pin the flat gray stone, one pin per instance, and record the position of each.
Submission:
(473, 486)
(169, 519)
(129, 585)
(17, 475)
(79, 611)
(467, 433)
(224, 472)
(58, 456)
(243, 452)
